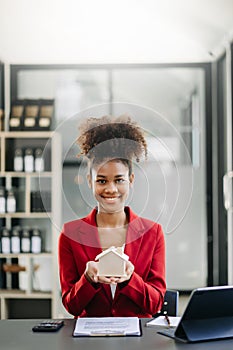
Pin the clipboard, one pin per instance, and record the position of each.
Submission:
(108, 327)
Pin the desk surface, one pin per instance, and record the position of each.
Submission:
(17, 335)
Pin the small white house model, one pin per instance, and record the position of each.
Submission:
(112, 262)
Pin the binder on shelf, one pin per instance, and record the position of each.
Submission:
(40, 201)
(45, 114)
(14, 275)
(46, 201)
(31, 114)
(16, 115)
(2, 274)
(33, 202)
(36, 202)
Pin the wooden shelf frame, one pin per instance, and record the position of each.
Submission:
(54, 216)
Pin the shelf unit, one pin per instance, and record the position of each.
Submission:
(30, 294)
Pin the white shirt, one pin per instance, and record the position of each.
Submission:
(113, 289)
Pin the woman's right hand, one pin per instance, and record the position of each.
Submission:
(91, 272)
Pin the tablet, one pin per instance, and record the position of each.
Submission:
(208, 316)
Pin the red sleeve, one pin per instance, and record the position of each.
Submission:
(148, 292)
(77, 292)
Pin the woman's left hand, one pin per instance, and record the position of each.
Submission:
(129, 269)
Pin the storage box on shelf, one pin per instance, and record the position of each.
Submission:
(30, 221)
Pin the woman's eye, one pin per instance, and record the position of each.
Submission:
(120, 181)
(101, 182)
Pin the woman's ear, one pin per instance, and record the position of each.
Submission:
(89, 180)
(131, 180)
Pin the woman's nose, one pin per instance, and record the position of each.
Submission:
(111, 187)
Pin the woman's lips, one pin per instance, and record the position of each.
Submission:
(110, 199)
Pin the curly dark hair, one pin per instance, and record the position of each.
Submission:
(112, 137)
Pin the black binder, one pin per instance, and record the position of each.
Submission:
(2, 274)
(208, 316)
(15, 275)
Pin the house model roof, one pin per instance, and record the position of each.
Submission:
(115, 250)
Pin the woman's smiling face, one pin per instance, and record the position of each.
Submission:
(110, 182)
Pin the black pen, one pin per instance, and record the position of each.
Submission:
(167, 320)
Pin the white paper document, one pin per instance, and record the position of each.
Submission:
(161, 321)
(107, 326)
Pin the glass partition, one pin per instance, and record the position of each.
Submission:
(170, 104)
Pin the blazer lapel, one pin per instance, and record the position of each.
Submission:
(88, 236)
(134, 236)
(133, 245)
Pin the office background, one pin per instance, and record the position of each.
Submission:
(169, 64)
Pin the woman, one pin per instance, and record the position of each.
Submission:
(110, 145)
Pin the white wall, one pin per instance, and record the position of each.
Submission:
(105, 31)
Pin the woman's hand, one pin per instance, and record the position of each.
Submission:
(92, 277)
(129, 269)
(92, 270)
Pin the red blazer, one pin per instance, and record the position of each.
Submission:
(141, 296)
